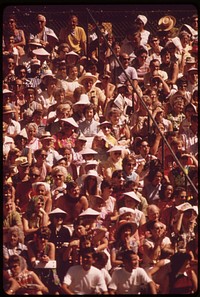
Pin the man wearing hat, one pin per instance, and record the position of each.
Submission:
(13, 127)
(166, 29)
(95, 94)
(23, 170)
(47, 141)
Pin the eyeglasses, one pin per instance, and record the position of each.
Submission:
(158, 228)
(143, 57)
(11, 22)
(43, 236)
(120, 176)
(145, 145)
(105, 127)
(43, 155)
(40, 21)
(11, 63)
(126, 59)
(58, 175)
(183, 196)
(58, 217)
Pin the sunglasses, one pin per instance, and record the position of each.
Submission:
(159, 228)
(117, 153)
(43, 236)
(130, 164)
(43, 155)
(126, 59)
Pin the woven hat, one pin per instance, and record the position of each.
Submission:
(91, 162)
(142, 18)
(84, 99)
(105, 123)
(45, 184)
(81, 137)
(35, 41)
(46, 135)
(87, 75)
(193, 69)
(92, 173)
(7, 109)
(166, 23)
(123, 210)
(116, 148)
(88, 151)
(40, 52)
(6, 91)
(132, 195)
(70, 121)
(190, 60)
(58, 211)
(89, 212)
(122, 224)
(47, 72)
(72, 53)
(21, 161)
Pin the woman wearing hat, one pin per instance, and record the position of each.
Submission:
(124, 240)
(91, 185)
(60, 236)
(114, 162)
(95, 94)
(67, 134)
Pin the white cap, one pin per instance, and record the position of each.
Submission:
(142, 18)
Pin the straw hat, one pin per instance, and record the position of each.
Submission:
(52, 36)
(40, 52)
(72, 53)
(35, 41)
(166, 23)
(123, 210)
(21, 161)
(122, 224)
(89, 212)
(7, 109)
(70, 121)
(81, 137)
(92, 173)
(116, 148)
(84, 99)
(105, 123)
(88, 151)
(46, 135)
(132, 195)
(87, 75)
(58, 211)
(6, 91)
(47, 72)
(45, 184)
(193, 69)
(190, 60)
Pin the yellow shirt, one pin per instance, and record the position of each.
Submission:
(74, 40)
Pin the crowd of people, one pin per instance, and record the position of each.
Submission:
(94, 200)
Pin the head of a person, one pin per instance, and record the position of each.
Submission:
(40, 21)
(87, 256)
(59, 174)
(100, 259)
(124, 59)
(128, 163)
(106, 185)
(15, 235)
(141, 54)
(73, 189)
(179, 195)
(166, 191)
(43, 233)
(89, 111)
(16, 264)
(153, 212)
(130, 260)
(118, 178)
(72, 21)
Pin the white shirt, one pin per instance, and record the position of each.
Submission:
(83, 282)
(125, 282)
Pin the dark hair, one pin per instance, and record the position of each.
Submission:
(89, 107)
(71, 185)
(117, 173)
(140, 51)
(177, 191)
(126, 255)
(87, 250)
(164, 51)
(18, 68)
(44, 231)
(163, 189)
(105, 184)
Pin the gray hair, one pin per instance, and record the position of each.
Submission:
(19, 232)
(58, 169)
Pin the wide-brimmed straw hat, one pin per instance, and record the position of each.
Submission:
(40, 52)
(89, 212)
(46, 135)
(35, 41)
(92, 173)
(7, 109)
(83, 100)
(57, 211)
(132, 195)
(70, 121)
(87, 75)
(122, 224)
(166, 23)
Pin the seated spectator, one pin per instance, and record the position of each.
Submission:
(89, 127)
(23, 281)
